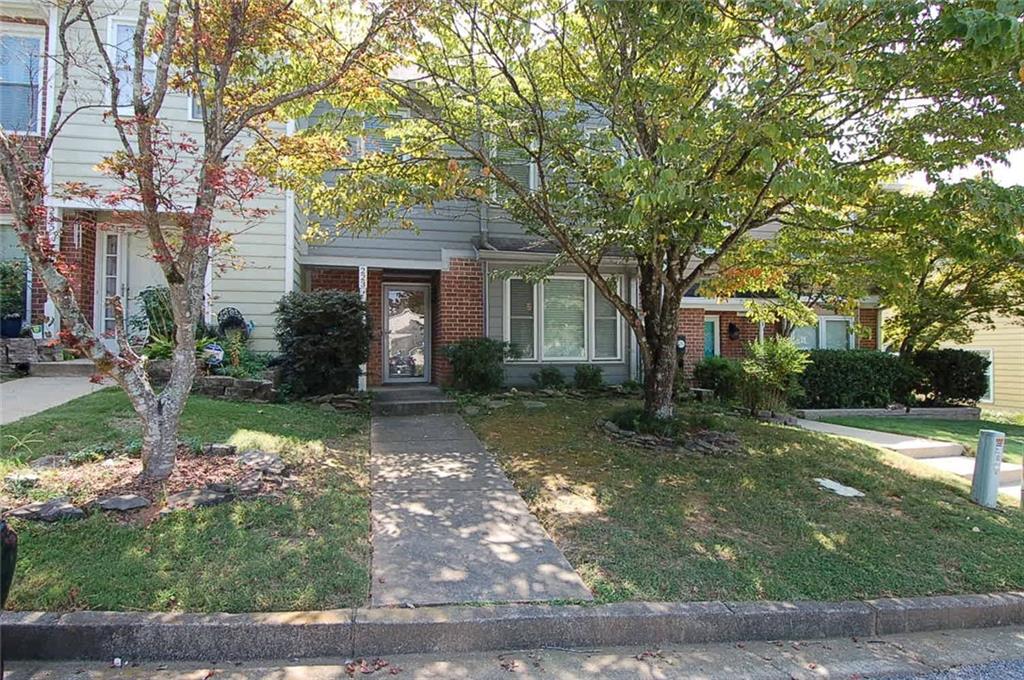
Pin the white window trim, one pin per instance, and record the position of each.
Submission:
(589, 292)
(717, 320)
(31, 31)
(112, 23)
(188, 109)
(850, 338)
(991, 373)
(507, 320)
(593, 294)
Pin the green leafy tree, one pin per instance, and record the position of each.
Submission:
(669, 132)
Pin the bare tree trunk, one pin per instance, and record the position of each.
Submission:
(659, 383)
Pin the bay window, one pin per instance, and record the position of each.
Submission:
(21, 77)
(563, 319)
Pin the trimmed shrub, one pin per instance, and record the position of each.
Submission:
(721, 375)
(549, 376)
(477, 363)
(324, 337)
(588, 377)
(860, 378)
(951, 376)
(771, 374)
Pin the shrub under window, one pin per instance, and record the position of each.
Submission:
(477, 363)
(324, 337)
(855, 379)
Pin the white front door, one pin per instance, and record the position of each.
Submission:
(406, 332)
(124, 267)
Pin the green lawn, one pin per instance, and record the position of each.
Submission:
(307, 551)
(653, 525)
(958, 431)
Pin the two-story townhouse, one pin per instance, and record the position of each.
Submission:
(445, 281)
(96, 237)
(453, 278)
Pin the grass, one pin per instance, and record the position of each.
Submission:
(654, 525)
(308, 551)
(957, 431)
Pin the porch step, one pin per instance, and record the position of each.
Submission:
(62, 369)
(411, 401)
(963, 466)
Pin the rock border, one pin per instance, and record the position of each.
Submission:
(365, 632)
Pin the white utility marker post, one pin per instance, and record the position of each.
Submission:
(362, 296)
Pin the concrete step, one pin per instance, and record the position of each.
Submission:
(1009, 473)
(62, 369)
(414, 407)
(926, 448)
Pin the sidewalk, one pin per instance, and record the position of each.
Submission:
(27, 396)
(941, 456)
(449, 527)
(903, 655)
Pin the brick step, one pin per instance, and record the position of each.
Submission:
(62, 369)
(414, 407)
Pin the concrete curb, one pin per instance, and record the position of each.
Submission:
(458, 629)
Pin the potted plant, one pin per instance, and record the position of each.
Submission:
(12, 297)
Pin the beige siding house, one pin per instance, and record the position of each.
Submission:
(1004, 346)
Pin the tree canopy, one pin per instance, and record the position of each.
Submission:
(669, 132)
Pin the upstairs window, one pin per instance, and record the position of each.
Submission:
(21, 78)
(123, 33)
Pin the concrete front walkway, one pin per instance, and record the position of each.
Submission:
(449, 527)
(943, 456)
(26, 396)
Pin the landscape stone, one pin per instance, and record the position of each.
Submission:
(471, 410)
(219, 450)
(196, 498)
(262, 461)
(838, 489)
(48, 511)
(122, 502)
(612, 427)
(25, 480)
(534, 405)
(52, 461)
(219, 486)
(250, 484)
(496, 404)
(328, 408)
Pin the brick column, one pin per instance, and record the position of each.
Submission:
(748, 333)
(868, 318)
(691, 324)
(459, 312)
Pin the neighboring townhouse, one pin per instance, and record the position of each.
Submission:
(96, 238)
(1003, 346)
(447, 281)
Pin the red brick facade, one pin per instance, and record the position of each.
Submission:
(457, 307)
(691, 325)
(867, 318)
(78, 248)
(459, 311)
(736, 331)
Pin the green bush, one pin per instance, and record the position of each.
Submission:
(156, 312)
(12, 288)
(771, 374)
(588, 377)
(859, 378)
(549, 377)
(478, 363)
(951, 376)
(721, 375)
(324, 337)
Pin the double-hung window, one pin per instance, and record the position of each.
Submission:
(123, 56)
(563, 319)
(21, 77)
(831, 332)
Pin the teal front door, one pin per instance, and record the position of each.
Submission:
(710, 337)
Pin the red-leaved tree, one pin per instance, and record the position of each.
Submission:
(249, 64)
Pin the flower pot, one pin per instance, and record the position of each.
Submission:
(10, 326)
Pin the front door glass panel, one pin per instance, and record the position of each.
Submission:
(406, 333)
